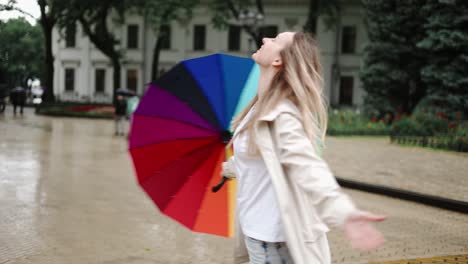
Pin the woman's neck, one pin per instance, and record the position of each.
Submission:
(264, 80)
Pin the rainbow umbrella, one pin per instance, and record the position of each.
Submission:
(179, 134)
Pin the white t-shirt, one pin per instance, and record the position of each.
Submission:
(257, 207)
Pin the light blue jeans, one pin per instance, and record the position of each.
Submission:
(261, 252)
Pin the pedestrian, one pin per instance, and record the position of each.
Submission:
(2, 104)
(287, 197)
(120, 115)
(18, 99)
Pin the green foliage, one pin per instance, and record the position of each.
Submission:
(327, 10)
(407, 126)
(392, 61)
(423, 124)
(418, 53)
(21, 51)
(162, 12)
(446, 44)
(223, 12)
(432, 129)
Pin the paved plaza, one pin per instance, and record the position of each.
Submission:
(68, 195)
(375, 160)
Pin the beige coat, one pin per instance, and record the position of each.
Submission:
(309, 198)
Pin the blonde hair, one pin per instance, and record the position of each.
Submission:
(300, 80)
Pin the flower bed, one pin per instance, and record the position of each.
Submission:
(77, 110)
(435, 130)
(347, 123)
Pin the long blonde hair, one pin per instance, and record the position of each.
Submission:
(300, 80)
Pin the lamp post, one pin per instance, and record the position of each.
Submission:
(252, 21)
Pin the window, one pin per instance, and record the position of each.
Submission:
(346, 90)
(267, 32)
(348, 39)
(234, 38)
(199, 37)
(132, 79)
(132, 36)
(165, 37)
(100, 80)
(69, 79)
(70, 36)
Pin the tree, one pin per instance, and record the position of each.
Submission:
(160, 13)
(329, 10)
(95, 18)
(446, 45)
(391, 74)
(47, 21)
(225, 11)
(21, 56)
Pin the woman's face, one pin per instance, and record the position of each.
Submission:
(269, 52)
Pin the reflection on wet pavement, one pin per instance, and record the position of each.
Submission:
(68, 195)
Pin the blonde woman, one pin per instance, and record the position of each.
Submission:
(287, 197)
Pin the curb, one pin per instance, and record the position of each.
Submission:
(435, 201)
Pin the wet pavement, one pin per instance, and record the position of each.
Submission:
(68, 194)
(375, 160)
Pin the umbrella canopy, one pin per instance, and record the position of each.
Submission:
(18, 89)
(178, 137)
(125, 92)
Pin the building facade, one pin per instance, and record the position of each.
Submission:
(83, 73)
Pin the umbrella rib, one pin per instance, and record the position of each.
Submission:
(176, 139)
(180, 121)
(181, 157)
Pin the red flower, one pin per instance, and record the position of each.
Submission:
(84, 108)
(374, 119)
(441, 115)
(451, 125)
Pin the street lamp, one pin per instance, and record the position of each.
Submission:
(253, 21)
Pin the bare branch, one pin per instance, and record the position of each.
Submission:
(11, 7)
(233, 9)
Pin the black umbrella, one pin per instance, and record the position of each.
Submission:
(125, 92)
(18, 89)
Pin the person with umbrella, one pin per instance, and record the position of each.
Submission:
(18, 98)
(119, 115)
(287, 197)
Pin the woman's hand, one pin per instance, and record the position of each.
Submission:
(228, 169)
(361, 233)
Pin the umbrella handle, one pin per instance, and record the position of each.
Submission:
(220, 184)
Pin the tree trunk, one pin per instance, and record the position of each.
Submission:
(235, 13)
(49, 63)
(116, 76)
(155, 64)
(104, 41)
(311, 24)
(48, 21)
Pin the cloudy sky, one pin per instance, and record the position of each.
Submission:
(29, 6)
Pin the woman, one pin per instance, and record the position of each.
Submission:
(287, 197)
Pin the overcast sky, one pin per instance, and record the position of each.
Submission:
(29, 6)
